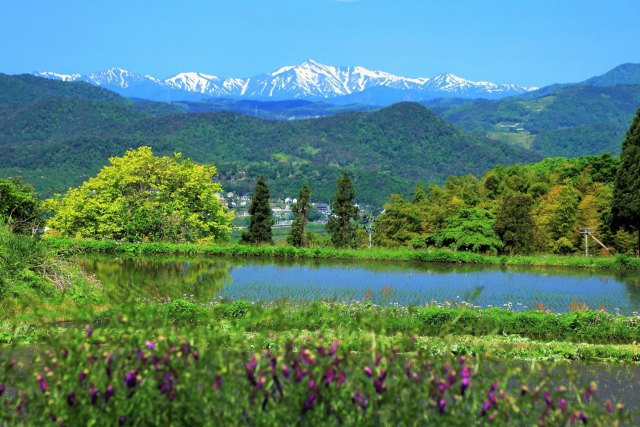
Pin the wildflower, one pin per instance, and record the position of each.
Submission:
(378, 359)
(563, 405)
(609, 406)
(150, 345)
(285, 371)
(218, 383)
(332, 348)
(108, 393)
(130, 379)
(195, 355)
(65, 353)
(329, 375)
(485, 407)
(42, 383)
(312, 384)
(524, 390)
(93, 394)
(341, 379)
(89, 331)
(308, 404)
(368, 371)
(121, 420)
(140, 355)
(548, 400)
(186, 347)
(71, 398)
(464, 385)
(2, 389)
(380, 388)
(587, 395)
(260, 383)
(441, 405)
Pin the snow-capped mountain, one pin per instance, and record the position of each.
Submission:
(309, 80)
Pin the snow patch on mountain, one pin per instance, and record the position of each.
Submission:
(309, 80)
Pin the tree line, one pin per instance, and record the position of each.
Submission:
(537, 208)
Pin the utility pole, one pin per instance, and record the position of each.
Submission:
(586, 232)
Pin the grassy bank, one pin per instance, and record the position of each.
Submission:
(446, 256)
(184, 364)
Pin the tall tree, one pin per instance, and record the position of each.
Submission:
(141, 196)
(19, 206)
(342, 223)
(261, 220)
(514, 223)
(625, 209)
(297, 235)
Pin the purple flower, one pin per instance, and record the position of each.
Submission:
(89, 331)
(464, 385)
(493, 387)
(130, 379)
(341, 379)
(332, 348)
(71, 398)
(42, 383)
(583, 417)
(563, 405)
(218, 383)
(165, 359)
(547, 399)
(195, 355)
(377, 361)
(308, 404)
(312, 384)
(485, 407)
(108, 393)
(186, 347)
(380, 388)
(140, 355)
(367, 371)
(150, 345)
(274, 364)
(121, 420)
(2, 389)
(441, 404)
(285, 371)
(65, 353)
(171, 396)
(260, 383)
(608, 405)
(329, 375)
(93, 394)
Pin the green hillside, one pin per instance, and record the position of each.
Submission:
(55, 143)
(569, 121)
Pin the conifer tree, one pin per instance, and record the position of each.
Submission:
(297, 235)
(261, 220)
(514, 223)
(625, 209)
(342, 223)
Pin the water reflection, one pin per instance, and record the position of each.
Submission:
(389, 282)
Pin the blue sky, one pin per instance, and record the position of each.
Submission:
(529, 42)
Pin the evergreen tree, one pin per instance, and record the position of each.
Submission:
(301, 210)
(514, 223)
(261, 220)
(625, 209)
(342, 223)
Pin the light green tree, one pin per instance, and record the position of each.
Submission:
(470, 230)
(143, 197)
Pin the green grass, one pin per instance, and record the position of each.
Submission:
(280, 233)
(400, 254)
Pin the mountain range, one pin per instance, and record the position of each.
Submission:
(309, 80)
(65, 135)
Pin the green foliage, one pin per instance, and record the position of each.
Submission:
(625, 209)
(259, 230)
(514, 223)
(342, 224)
(401, 222)
(57, 142)
(180, 311)
(569, 121)
(141, 197)
(20, 207)
(297, 236)
(470, 230)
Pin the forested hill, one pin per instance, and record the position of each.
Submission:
(567, 121)
(57, 142)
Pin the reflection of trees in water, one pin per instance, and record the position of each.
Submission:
(146, 277)
(203, 277)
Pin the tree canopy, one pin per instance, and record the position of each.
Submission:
(20, 207)
(625, 208)
(261, 220)
(342, 223)
(144, 197)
